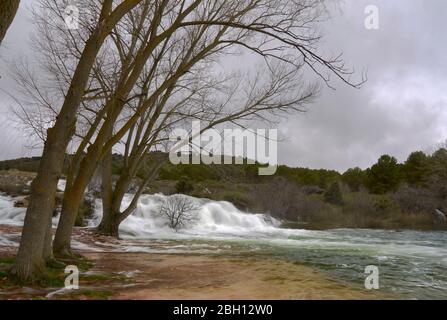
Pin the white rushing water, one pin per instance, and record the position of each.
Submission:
(214, 219)
(8, 214)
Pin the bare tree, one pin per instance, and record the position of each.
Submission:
(257, 26)
(279, 91)
(146, 53)
(33, 252)
(8, 10)
(146, 44)
(180, 212)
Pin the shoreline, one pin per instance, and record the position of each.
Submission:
(200, 277)
(174, 276)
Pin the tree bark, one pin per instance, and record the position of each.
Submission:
(70, 209)
(48, 245)
(110, 223)
(112, 199)
(8, 10)
(30, 260)
(106, 183)
(112, 215)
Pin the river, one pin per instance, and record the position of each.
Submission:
(412, 264)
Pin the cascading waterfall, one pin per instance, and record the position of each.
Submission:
(213, 219)
(9, 215)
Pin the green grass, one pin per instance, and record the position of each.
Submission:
(7, 260)
(54, 276)
(96, 294)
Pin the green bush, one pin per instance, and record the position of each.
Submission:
(184, 186)
(333, 195)
(386, 206)
(354, 179)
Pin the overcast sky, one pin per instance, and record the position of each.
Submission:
(402, 107)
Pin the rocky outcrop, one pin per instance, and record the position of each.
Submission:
(440, 217)
(22, 203)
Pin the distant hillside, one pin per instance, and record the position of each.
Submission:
(202, 172)
(389, 195)
(22, 164)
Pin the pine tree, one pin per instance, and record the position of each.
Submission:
(333, 195)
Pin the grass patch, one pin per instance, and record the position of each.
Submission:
(96, 294)
(93, 286)
(7, 260)
(54, 277)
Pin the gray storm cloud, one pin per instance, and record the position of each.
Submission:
(402, 107)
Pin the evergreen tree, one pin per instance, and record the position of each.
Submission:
(184, 185)
(354, 179)
(384, 176)
(416, 169)
(333, 195)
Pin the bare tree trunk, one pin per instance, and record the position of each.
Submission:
(8, 10)
(109, 224)
(30, 259)
(70, 209)
(48, 245)
(112, 216)
(106, 183)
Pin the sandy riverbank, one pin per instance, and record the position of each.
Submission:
(204, 277)
(121, 275)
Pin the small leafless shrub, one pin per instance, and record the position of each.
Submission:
(180, 212)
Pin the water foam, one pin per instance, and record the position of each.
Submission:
(214, 218)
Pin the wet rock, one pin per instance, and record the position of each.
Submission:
(22, 203)
(440, 217)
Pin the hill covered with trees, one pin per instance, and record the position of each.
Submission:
(387, 195)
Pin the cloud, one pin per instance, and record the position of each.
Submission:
(402, 107)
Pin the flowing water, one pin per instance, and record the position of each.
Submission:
(412, 264)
